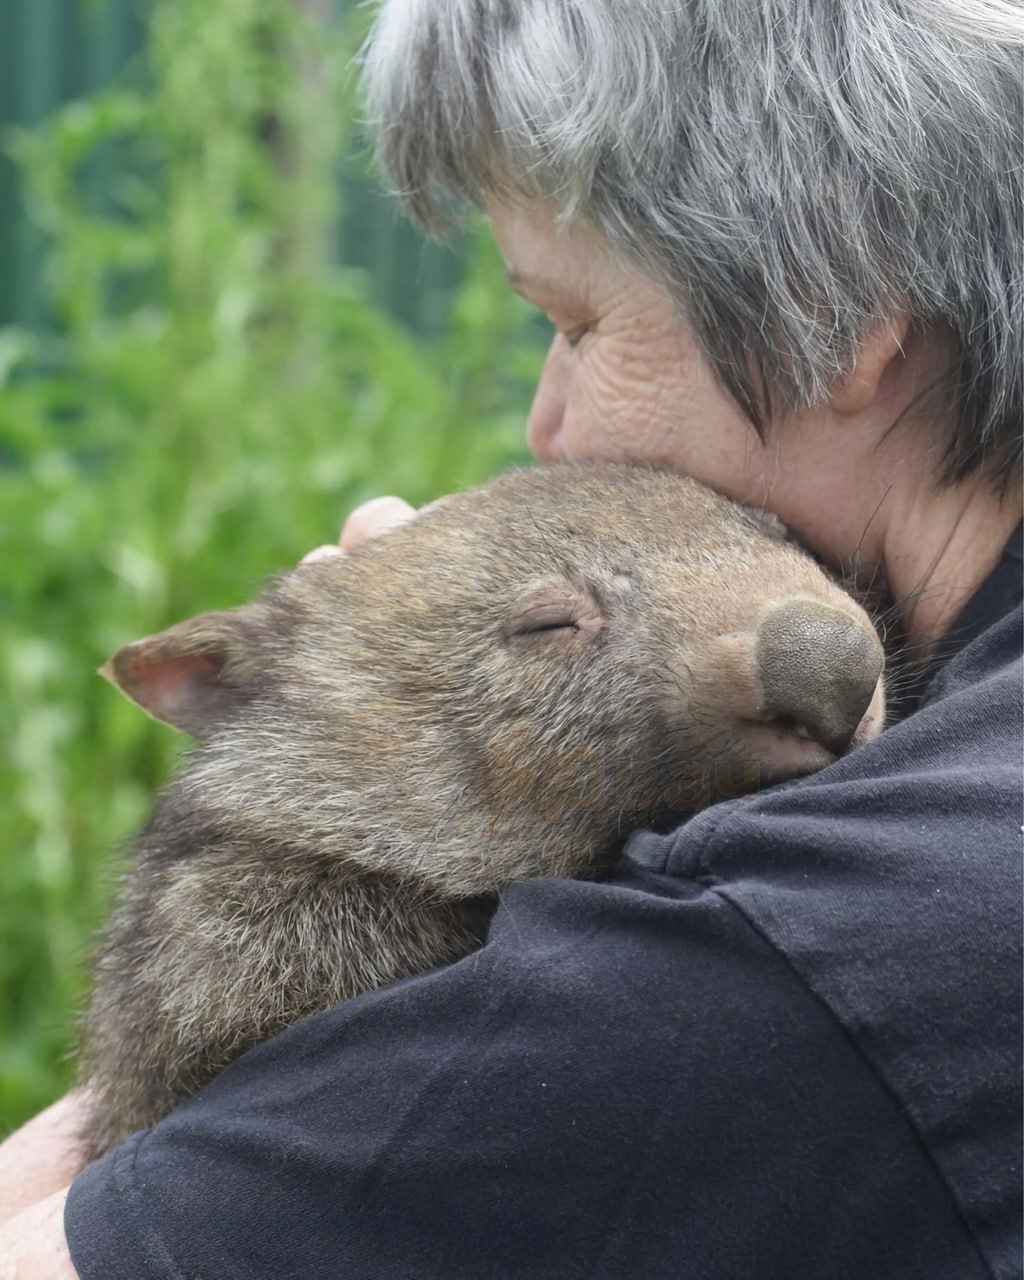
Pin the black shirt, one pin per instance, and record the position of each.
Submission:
(782, 1043)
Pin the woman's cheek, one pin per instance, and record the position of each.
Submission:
(610, 412)
(589, 431)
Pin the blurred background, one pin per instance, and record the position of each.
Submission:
(216, 337)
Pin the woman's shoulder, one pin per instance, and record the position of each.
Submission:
(891, 884)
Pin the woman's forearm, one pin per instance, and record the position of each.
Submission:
(41, 1157)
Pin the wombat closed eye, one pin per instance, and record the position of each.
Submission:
(501, 689)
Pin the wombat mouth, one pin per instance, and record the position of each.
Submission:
(873, 721)
(787, 748)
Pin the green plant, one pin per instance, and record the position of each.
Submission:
(215, 393)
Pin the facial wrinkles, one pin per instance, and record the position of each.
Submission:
(636, 386)
(622, 384)
(638, 389)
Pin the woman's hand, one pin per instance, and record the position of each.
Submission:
(367, 521)
(42, 1156)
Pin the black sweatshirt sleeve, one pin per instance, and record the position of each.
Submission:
(783, 1043)
(627, 1081)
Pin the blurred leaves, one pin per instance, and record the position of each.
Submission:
(213, 396)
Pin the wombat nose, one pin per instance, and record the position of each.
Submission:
(818, 668)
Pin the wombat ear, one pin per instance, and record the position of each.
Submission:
(193, 675)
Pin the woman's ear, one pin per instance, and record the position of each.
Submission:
(883, 343)
(195, 674)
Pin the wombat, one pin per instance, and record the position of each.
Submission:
(501, 689)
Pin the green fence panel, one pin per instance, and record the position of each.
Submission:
(53, 51)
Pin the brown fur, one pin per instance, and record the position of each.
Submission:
(386, 744)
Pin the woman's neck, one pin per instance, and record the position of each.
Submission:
(938, 548)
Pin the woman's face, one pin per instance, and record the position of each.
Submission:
(623, 377)
(625, 380)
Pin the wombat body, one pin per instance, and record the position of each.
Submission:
(501, 689)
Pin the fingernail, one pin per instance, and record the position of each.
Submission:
(326, 552)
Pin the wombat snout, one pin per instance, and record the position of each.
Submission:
(804, 683)
(819, 671)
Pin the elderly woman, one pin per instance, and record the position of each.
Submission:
(781, 246)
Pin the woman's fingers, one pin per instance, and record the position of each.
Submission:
(374, 518)
(326, 552)
(369, 520)
(42, 1156)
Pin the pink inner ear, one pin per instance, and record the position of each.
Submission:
(180, 690)
(173, 682)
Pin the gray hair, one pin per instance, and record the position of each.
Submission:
(792, 170)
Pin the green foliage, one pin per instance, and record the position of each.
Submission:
(212, 398)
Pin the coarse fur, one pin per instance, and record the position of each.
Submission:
(795, 172)
(500, 689)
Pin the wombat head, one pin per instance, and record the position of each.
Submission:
(509, 683)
